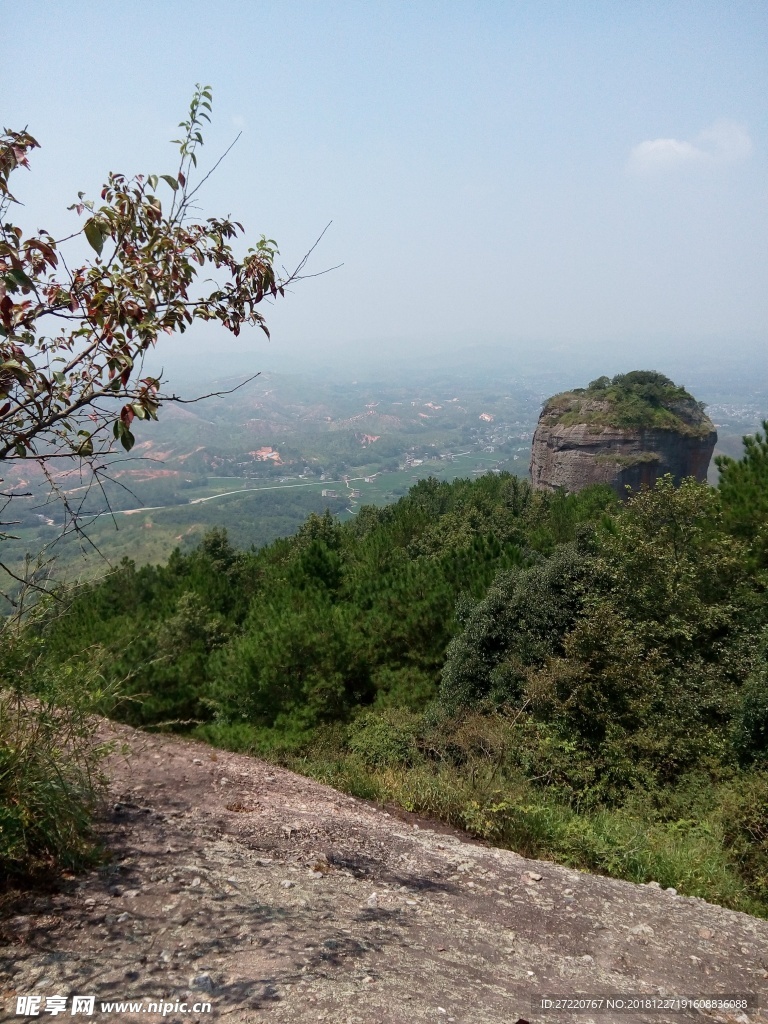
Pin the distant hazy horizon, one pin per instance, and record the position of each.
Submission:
(387, 358)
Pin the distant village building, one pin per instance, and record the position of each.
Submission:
(266, 455)
(329, 494)
(355, 493)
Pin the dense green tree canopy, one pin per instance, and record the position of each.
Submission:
(743, 486)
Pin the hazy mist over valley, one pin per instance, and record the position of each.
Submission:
(282, 445)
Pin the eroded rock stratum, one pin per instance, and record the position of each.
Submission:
(628, 431)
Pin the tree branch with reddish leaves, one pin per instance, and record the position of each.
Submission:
(75, 392)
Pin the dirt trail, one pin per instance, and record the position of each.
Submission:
(278, 899)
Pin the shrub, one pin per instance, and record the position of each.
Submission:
(520, 623)
(50, 781)
(745, 829)
(750, 727)
(385, 739)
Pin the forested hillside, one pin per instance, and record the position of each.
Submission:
(309, 629)
(572, 676)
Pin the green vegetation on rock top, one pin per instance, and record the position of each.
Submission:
(640, 399)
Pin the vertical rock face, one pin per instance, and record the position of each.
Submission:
(628, 431)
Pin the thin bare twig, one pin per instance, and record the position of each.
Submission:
(188, 196)
(26, 584)
(211, 394)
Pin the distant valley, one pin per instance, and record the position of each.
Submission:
(257, 461)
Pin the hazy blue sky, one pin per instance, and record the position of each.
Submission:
(572, 173)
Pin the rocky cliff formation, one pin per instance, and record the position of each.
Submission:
(627, 431)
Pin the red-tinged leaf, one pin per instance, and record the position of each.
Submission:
(127, 415)
(134, 310)
(5, 408)
(182, 179)
(6, 306)
(48, 254)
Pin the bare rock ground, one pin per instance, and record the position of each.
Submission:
(277, 899)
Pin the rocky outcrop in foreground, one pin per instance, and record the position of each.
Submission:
(274, 898)
(607, 435)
